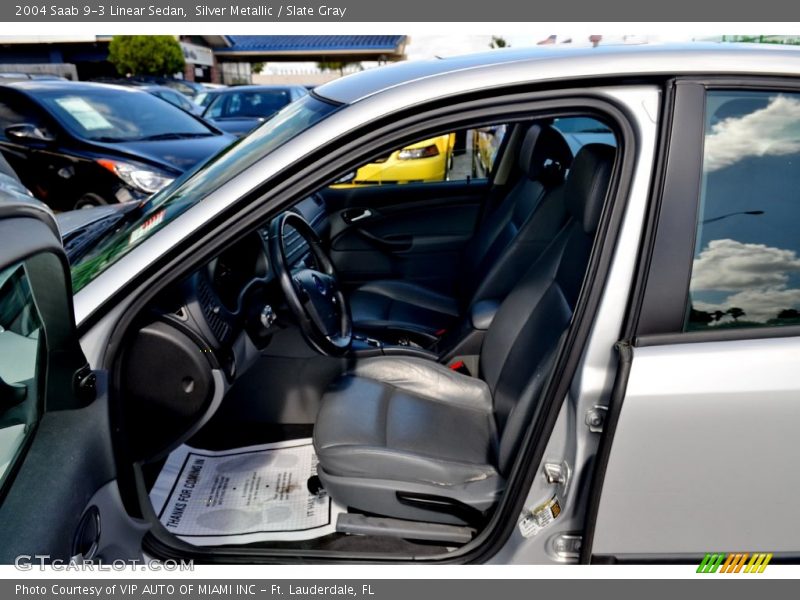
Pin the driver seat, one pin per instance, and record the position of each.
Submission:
(409, 438)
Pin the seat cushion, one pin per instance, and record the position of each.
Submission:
(409, 420)
(402, 305)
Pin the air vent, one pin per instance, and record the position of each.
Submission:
(211, 308)
(294, 246)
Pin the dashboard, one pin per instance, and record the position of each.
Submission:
(227, 309)
(236, 293)
(233, 270)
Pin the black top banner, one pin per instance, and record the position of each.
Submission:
(354, 11)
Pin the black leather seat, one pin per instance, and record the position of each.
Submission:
(513, 235)
(395, 432)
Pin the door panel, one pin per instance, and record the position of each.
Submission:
(415, 232)
(52, 408)
(705, 453)
(69, 459)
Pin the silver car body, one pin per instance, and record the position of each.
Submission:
(659, 498)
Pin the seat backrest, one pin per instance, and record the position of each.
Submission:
(523, 224)
(521, 342)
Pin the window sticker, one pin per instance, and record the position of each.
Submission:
(84, 113)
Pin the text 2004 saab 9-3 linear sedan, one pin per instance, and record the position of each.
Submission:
(546, 363)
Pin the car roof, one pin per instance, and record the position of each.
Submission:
(42, 85)
(543, 63)
(253, 88)
(154, 87)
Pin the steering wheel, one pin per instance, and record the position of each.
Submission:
(313, 295)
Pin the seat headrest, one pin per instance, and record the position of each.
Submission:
(587, 184)
(544, 155)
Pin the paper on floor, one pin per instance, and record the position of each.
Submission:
(242, 496)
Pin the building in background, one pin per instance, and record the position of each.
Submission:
(209, 58)
(296, 59)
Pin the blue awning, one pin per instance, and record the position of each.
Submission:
(314, 47)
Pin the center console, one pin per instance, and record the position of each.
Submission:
(458, 344)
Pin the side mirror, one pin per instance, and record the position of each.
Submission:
(29, 132)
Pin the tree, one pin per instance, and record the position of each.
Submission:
(337, 65)
(498, 42)
(736, 312)
(146, 55)
(257, 67)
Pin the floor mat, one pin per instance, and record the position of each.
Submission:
(244, 495)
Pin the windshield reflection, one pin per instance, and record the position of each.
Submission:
(193, 186)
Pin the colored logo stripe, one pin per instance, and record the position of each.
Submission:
(710, 563)
(734, 562)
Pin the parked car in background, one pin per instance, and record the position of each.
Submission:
(87, 144)
(164, 92)
(189, 89)
(205, 97)
(173, 97)
(239, 110)
(11, 188)
(39, 76)
(427, 160)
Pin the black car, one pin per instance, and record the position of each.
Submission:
(240, 109)
(86, 144)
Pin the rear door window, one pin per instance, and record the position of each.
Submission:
(746, 268)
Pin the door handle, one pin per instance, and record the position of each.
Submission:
(356, 215)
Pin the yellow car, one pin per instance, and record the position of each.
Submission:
(427, 160)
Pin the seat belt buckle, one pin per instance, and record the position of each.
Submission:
(460, 367)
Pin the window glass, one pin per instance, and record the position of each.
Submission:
(194, 185)
(259, 104)
(746, 269)
(114, 115)
(14, 112)
(579, 131)
(20, 328)
(457, 156)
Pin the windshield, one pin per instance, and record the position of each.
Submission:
(119, 115)
(196, 184)
(260, 103)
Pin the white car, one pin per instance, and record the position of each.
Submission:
(589, 354)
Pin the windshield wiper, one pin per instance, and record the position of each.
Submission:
(80, 241)
(171, 136)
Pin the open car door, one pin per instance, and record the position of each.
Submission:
(57, 489)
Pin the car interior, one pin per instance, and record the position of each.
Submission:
(375, 354)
